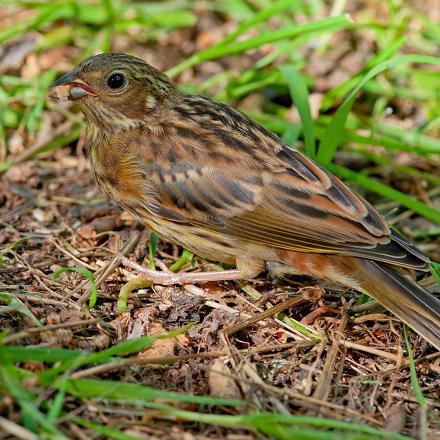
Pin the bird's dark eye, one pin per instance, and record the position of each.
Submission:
(116, 81)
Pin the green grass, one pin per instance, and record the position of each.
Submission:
(87, 274)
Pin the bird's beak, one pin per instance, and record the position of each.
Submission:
(70, 88)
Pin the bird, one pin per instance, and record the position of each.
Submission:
(205, 176)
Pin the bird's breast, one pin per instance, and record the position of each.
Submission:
(122, 178)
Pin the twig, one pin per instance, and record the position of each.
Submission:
(322, 390)
(406, 363)
(305, 400)
(16, 430)
(70, 254)
(24, 333)
(128, 247)
(371, 350)
(44, 300)
(291, 331)
(263, 315)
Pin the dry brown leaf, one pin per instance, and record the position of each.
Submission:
(372, 317)
(87, 231)
(312, 293)
(395, 418)
(139, 324)
(219, 381)
(161, 347)
(43, 216)
(312, 316)
(121, 324)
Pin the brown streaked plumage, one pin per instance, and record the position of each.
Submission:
(204, 175)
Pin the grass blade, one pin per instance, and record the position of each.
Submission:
(435, 270)
(106, 431)
(258, 18)
(15, 303)
(88, 274)
(128, 392)
(23, 354)
(264, 421)
(127, 347)
(300, 96)
(33, 419)
(334, 133)
(312, 28)
(152, 249)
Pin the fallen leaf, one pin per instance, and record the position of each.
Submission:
(219, 381)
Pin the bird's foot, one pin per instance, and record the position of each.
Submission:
(166, 277)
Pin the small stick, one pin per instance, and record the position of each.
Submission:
(322, 390)
(128, 247)
(43, 300)
(405, 363)
(263, 315)
(372, 350)
(16, 430)
(22, 334)
(74, 257)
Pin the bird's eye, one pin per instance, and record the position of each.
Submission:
(116, 81)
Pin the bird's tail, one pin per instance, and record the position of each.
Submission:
(400, 294)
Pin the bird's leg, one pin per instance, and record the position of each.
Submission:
(246, 268)
(169, 278)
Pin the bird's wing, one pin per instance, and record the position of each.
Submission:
(295, 205)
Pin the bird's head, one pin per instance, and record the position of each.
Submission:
(116, 91)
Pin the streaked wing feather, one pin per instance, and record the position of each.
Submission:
(240, 206)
